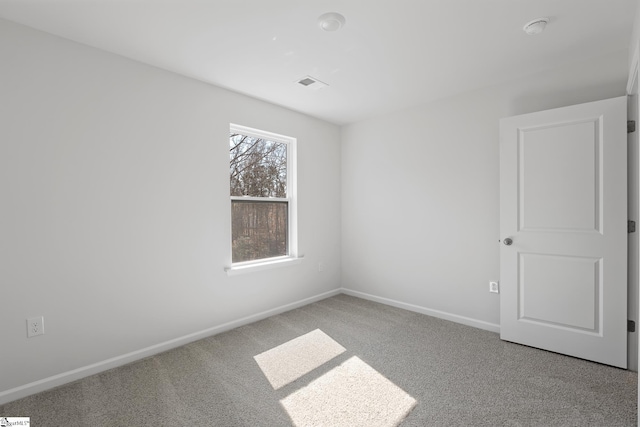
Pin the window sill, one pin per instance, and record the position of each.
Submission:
(262, 265)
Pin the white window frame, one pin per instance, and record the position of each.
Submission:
(292, 215)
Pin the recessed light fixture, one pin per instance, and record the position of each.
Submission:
(536, 26)
(331, 21)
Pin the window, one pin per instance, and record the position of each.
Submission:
(262, 184)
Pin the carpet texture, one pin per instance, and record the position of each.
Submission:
(293, 359)
(350, 395)
(458, 376)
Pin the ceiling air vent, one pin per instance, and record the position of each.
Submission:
(311, 83)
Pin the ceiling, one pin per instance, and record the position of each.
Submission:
(389, 55)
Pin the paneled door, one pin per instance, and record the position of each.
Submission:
(563, 225)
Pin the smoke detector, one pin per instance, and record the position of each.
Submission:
(331, 21)
(311, 83)
(536, 26)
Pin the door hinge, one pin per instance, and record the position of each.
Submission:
(631, 326)
(631, 226)
(631, 126)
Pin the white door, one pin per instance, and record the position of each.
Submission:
(563, 225)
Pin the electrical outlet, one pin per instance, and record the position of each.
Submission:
(35, 326)
(494, 287)
(321, 266)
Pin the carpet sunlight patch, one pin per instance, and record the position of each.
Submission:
(293, 359)
(352, 394)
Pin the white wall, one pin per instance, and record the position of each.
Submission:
(420, 196)
(115, 207)
(635, 34)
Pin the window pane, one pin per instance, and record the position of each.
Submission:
(259, 230)
(258, 166)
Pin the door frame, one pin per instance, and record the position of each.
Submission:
(633, 203)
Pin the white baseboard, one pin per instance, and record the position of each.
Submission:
(114, 362)
(85, 371)
(480, 324)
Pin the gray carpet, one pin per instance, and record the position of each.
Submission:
(458, 375)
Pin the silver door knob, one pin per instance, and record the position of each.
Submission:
(507, 241)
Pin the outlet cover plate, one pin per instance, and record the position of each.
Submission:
(35, 326)
(494, 287)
